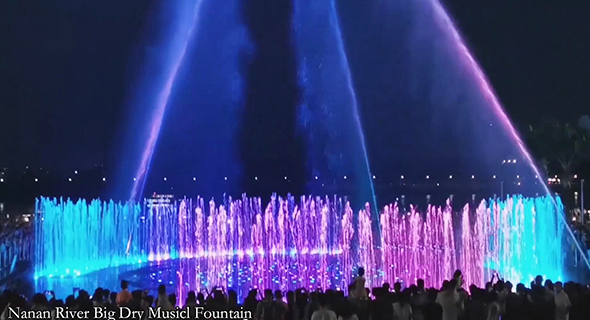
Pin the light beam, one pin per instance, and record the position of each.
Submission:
(486, 89)
(161, 105)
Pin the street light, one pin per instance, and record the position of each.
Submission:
(582, 200)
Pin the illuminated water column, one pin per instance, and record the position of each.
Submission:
(467, 58)
(367, 258)
(186, 229)
(73, 238)
(162, 237)
(417, 246)
(186, 21)
(313, 243)
(473, 248)
(528, 241)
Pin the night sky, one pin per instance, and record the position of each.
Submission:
(67, 69)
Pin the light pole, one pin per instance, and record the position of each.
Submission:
(582, 201)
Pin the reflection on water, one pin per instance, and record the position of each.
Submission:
(285, 272)
(106, 278)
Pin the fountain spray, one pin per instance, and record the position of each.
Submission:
(335, 21)
(162, 103)
(489, 94)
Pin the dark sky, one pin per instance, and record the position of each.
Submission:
(67, 69)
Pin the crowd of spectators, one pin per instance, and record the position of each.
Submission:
(542, 300)
(15, 244)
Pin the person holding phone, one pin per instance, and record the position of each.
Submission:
(449, 300)
(49, 295)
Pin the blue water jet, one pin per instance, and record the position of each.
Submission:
(336, 25)
(329, 114)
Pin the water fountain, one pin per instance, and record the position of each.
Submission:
(177, 53)
(329, 112)
(287, 244)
